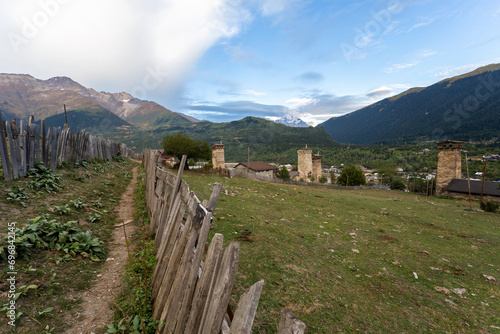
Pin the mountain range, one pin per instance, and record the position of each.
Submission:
(464, 107)
(140, 123)
(22, 95)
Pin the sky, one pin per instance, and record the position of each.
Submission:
(223, 60)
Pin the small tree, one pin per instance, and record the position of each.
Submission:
(352, 176)
(398, 184)
(322, 179)
(283, 173)
(181, 144)
(333, 178)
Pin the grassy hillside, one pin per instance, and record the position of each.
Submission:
(465, 107)
(361, 261)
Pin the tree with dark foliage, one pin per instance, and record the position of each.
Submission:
(180, 144)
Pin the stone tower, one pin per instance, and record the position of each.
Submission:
(316, 166)
(449, 164)
(305, 163)
(218, 160)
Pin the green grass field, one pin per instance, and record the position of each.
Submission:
(369, 261)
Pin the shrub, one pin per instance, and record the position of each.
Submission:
(490, 206)
(43, 178)
(283, 173)
(41, 233)
(398, 184)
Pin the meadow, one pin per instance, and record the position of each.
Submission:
(371, 261)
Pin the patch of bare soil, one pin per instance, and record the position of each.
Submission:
(96, 312)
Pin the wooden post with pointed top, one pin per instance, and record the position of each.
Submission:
(65, 118)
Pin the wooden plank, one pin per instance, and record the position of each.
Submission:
(189, 290)
(165, 237)
(290, 324)
(221, 290)
(165, 282)
(37, 143)
(192, 262)
(15, 167)
(204, 283)
(214, 197)
(179, 178)
(53, 149)
(23, 133)
(42, 143)
(246, 309)
(4, 154)
(32, 148)
(172, 234)
(17, 148)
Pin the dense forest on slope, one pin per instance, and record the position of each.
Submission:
(465, 107)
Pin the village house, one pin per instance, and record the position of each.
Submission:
(258, 168)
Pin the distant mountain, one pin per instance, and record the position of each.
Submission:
(465, 107)
(22, 95)
(293, 121)
(268, 140)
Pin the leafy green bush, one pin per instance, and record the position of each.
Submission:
(16, 194)
(62, 209)
(398, 184)
(78, 203)
(43, 178)
(322, 179)
(490, 206)
(283, 173)
(41, 233)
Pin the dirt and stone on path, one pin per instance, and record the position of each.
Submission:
(96, 312)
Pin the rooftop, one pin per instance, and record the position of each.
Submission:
(258, 166)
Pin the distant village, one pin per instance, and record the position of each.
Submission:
(446, 180)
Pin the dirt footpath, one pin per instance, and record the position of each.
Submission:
(96, 312)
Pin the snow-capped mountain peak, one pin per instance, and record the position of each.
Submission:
(293, 121)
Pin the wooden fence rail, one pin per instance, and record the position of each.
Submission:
(191, 295)
(23, 145)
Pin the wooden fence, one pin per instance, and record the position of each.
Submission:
(191, 295)
(30, 143)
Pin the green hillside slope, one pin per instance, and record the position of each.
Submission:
(465, 107)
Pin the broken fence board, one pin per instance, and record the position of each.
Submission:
(246, 309)
(289, 324)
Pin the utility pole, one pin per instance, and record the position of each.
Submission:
(482, 187)
(468, 180)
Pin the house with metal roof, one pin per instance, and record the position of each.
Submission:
(259, 168)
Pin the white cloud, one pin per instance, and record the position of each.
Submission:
(118, 44)
(399, 67)
(253, 92)
(380, 92)
(424, 22)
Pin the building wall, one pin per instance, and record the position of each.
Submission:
(218, 159)
(449, 165)
(316, 167)
(266, 173)
(305, 164)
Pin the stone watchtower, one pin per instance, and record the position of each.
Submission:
(449, 164)
(305, 163)
(316, 166)
(218, 160)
